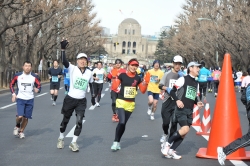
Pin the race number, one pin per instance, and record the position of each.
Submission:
(80, 83)
(190, 93)
(54, 79)
(203, 78)
(99, 76)
(129, 92)
(171, 83)
(67, 75)
(153, 78)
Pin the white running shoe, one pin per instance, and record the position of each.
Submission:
(54, 103)
(16, 131)
(173, 154)
(149, 111)
(163, 138)
(97, 105)
(215, 94)
(165, 148)
(221, 156)
(21, 135)
(152, 116)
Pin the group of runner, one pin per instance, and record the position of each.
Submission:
(181, 92)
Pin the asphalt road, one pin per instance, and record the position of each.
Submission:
(140, 142)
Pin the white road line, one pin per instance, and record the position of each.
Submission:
(106, 89)
(235, 162)
(8, 106)
(61, 87)
(93, 106)
(42, 94)
(71, 133)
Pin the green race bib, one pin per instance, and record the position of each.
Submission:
(190, 93)
(54, 79)
(80, 83)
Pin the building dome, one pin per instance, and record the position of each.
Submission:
(130, 20)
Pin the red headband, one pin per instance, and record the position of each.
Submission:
(134, 63)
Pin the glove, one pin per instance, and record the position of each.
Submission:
(64, 44)
(94, 75)
(168, 90)
(147, 77)
(180, 73)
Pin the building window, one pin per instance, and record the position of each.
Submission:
(123, 51)
(128, 51)
(129, 31)
(125, 31)
(134, 44)
(134, 51)
(133, 32)
(142, 48)
(129, 44)
(123, 44)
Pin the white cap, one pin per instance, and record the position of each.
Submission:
(81, 55)
(193, 64)
(177, 58)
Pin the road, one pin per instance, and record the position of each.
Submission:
(140, 143)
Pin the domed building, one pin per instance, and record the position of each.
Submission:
(129, 43)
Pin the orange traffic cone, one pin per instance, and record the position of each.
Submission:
(206, 122)
(226, 124)
(196, 116)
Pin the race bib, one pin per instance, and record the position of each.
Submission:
(217, 76)
(190, 93)
(203, 78)
(171, 83)
(99, 76)
(80, 83)
(153, 78)
(129, 92)
(67, 75)
(54, 79)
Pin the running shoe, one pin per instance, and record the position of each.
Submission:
(16, 131)
(60, 143)
(215, 94)
(149, 111)
(97, 105)
(165, 148)
(21, 135)
(163, 138)
(172, 154)
(221, 156)
(74, 147)
(152, 116)
(65, 92)
(116, 146)
(53, 103)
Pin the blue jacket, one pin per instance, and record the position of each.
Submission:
(203, 75)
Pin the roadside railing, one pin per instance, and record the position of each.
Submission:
(6, 77)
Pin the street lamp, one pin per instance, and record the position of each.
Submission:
(100, 45)
(208, 19)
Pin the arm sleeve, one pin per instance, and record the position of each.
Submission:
(12, 84)
(37, 83)
(64, 60)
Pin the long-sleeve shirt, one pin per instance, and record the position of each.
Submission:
(25, 85)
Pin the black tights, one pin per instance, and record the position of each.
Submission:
(123, 118)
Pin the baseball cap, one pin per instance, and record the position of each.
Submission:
(193, 64)
(82, 55)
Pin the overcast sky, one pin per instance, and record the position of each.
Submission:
(151, 14)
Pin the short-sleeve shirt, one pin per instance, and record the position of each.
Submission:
(54, 75)
(153, 84)
(100, 73)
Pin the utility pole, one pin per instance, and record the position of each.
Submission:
(100, 46)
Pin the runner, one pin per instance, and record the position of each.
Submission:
(238, 80)
(27, 83)
(153, 89)
(125, 102)
(187, 89)
(169, 104)
(216, 79)
(108, 71)
(76, 101)
(66, 80)
(210, 81)
(202, 79)
(99, 75)
(90, 86)
(55, 74)
(115, 72)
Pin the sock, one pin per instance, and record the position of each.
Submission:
(174, 137)
(176, 143)
(74, 138)
(61, 136)
(18, 125)
(55, 97)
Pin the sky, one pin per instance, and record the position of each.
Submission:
(151, 14)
